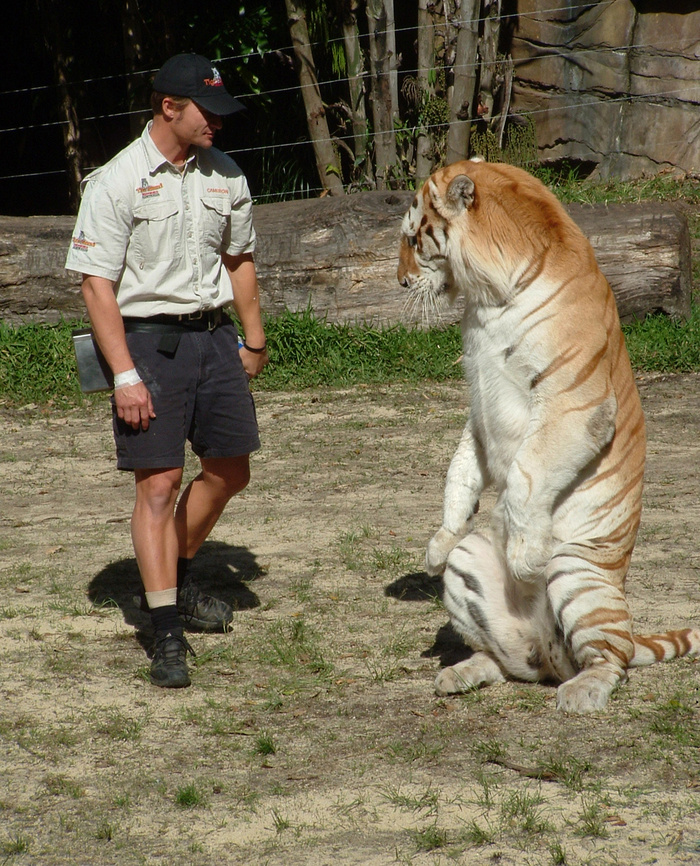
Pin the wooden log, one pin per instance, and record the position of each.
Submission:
(338, 256)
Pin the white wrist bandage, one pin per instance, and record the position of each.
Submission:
(128, 377)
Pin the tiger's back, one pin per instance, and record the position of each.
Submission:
(556, 426)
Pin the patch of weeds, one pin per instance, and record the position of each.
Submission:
(426, 801)
(17, 844)
(568, 771)
(61, 785)
(382, 672)
(189, 796)
(557, 855)
(117, 725)
(295, 646)
(264, 744)
(281, 824)
(476, 835)
(674, 720)
(592, 820)
(488, 751)
(106, 831)
(523, 810)
(531, 699)
(430, 838)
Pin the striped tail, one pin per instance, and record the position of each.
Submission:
(652, 648)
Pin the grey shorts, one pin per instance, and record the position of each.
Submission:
(200, 393)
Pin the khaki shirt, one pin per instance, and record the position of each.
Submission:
(158, 232)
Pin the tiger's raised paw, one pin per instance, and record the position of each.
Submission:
(439, 548)
(527, 555)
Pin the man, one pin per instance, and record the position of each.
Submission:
(164, 241)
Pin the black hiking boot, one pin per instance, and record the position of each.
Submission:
(169, 660)
(202, 612)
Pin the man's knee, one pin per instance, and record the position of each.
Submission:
(157, 487)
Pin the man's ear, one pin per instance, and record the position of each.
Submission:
(458, 198)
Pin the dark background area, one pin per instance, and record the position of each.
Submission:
(249, 42)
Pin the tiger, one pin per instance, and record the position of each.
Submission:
(555, 427)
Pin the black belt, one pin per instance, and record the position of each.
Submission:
(201, 320)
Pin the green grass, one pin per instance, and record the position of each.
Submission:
(37, 364)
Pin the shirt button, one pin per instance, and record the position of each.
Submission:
(141, 266)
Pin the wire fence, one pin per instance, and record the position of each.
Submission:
(686, 92)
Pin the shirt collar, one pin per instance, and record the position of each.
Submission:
(155, 158)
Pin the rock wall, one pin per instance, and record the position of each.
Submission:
(614, 82)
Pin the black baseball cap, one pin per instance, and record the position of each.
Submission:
(193, 75)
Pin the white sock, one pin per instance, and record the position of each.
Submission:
(161, 598)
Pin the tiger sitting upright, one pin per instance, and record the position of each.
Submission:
(556, 426)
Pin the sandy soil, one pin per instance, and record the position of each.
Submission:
(311, 734)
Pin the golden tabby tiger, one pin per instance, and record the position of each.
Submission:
(555, 426)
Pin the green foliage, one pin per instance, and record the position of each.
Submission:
(306, 351)
(37, 363)
(664, 345)
(519, 147)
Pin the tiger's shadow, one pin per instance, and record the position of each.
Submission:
(419, 586)
(220, 570)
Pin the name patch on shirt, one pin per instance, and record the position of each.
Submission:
(147, 190)
(217, 190)
(82, 243)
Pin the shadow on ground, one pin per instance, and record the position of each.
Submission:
(219, 570)
(420, 586)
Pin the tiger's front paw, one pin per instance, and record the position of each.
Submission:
(527, 555)
(439, 548)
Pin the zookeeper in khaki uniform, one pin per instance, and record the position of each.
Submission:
(164, 241)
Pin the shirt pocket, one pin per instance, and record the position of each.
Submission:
(216, 219)
(155, 234)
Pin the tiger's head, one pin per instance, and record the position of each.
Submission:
(481, 229)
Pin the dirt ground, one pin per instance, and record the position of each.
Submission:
(311, 733)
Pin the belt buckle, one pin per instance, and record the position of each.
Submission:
(214, 319)
(194, 317)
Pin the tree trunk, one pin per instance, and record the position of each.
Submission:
(383, 106)
(462, 108)
(356, 70)
(426, 64)
(338, 256)
(54, 32)
(327, 162)
(137, 88)
(488, 51)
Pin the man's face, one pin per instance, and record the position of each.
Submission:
(195, 125)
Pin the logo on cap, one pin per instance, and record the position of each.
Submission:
(216, 81)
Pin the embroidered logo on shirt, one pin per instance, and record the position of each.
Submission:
(216, 80)
(217, 190)
(82, 243)
(147, 190)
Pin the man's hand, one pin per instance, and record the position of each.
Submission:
(253, 362)
(134, 405)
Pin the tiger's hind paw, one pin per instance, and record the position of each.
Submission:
(479, 670)
(588, 692)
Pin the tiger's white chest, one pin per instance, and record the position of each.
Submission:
(499, 378)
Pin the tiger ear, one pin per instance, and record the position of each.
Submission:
(459, 196)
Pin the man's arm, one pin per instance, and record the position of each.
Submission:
(246, 301)
(133, 402)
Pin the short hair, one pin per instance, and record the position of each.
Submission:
(157, 101)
